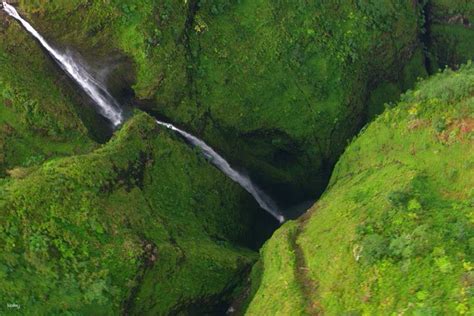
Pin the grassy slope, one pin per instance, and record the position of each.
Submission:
(38, 119)
(393, 233)
(141, 224)
(284, 83)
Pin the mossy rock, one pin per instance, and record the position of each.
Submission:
(450, 33)
(393, 232)
(281, 86)
(142, 224)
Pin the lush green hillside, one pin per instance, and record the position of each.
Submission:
(393, 234)
(142, 224)
(278, 86)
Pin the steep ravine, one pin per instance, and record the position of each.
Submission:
(176, 40)
(254, 232)
(110, 109)
(307, 285)
(279, 103)
(392, 233)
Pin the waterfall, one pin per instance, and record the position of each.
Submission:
(217, 160)
(110, 108)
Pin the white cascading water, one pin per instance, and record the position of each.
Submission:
(262, 199)
(110, 108)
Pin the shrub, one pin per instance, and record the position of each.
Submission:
(374, 248)
(399, 198)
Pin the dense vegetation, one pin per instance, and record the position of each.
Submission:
(142, 224)
(37, 116)
(286, 84)
(86, 233)
(393, 232)
(136, 225)
(278, 86)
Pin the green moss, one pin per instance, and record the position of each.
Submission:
(389, 91)
(143, 223)
(392, 234)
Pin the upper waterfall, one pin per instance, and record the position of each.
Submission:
(108, 107)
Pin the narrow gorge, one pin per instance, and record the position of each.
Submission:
(346, 187)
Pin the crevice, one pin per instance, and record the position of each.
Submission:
(425, 36)
(150, 253)
(308, 286)
(149, 257)
(192, 53)
(191, 63)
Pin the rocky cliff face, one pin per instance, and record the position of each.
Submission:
(393, 232)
